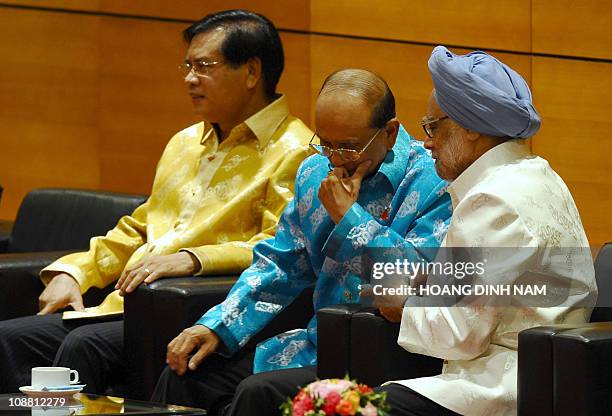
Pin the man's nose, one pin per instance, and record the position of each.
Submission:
(428, 143)
(191, 78)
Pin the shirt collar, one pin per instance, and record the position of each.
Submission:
(263, 124)
(393, 166)
(501, 154)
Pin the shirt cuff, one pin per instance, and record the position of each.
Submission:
(222, 332)
(201, 257)
(57, 267)
(355, 216)
(222, 258)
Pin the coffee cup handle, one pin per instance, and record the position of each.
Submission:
(76, 376)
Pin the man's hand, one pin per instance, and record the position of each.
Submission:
(390, 307)
(393, 314)
(152, 268)
(339, 191)
(198, 336)
(61, 291)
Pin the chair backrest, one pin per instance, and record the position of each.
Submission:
(66, 219)
(603, 276)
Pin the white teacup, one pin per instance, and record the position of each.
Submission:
(53, 377)
(51, 411)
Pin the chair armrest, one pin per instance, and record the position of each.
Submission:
(154, 314)
(376, 356)
(19, 282)
(536, 369)
(582, 370)
(20, 285)
(157, 313)
(333, 339)
(5, 234)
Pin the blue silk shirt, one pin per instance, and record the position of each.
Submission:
(404, 204)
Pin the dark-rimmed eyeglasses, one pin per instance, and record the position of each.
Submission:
(200, 67)
(346, 155)
(427, 124)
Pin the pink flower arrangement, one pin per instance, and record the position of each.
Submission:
(335, 396)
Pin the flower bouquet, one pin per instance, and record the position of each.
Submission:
(336, 397)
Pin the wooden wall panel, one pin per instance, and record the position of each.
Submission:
(481, 23)
(186, 9)
(143, 100)
(575, 135)
(48, 103)
(296, 18)
(403, 66)
(575, 28)
(295, 81)
(91, 5)
(90, 101)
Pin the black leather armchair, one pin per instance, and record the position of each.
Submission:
(357, 341)
(567, 369)
(5, 234)
(5, 229)
(154, 314)
(51, 223)
(562, 369)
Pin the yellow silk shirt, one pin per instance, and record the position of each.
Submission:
(213, 199)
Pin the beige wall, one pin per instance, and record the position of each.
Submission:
(89, 93)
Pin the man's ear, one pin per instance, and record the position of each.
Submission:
(391, 130)
(253, 68)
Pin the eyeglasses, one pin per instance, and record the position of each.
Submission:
(426, 123)
(346, 155)
(200, 67)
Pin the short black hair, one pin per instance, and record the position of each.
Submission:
(249, 35)
(384, 109)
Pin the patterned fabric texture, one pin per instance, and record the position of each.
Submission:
(213, 199)
(507, 198)
(404, 204)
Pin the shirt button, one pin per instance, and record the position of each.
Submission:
(177, 223)
(151, 248)
(211, 158)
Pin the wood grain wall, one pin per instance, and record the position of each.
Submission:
(89, 94)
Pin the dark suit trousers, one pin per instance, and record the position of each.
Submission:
(219, 380)
(95, 350)
(227, 386)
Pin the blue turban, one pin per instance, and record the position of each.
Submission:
(483, 94)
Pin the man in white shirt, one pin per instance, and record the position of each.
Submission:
(515, 206)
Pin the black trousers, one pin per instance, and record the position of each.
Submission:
(95, 350)
(227, 387)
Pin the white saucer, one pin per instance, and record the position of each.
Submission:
(64, 392)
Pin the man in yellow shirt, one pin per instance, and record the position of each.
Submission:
(220, 187)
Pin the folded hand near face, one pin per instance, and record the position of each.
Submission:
(152, 268)
(339, 191)
(199, 338)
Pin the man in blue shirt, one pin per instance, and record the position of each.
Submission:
(370, 186)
